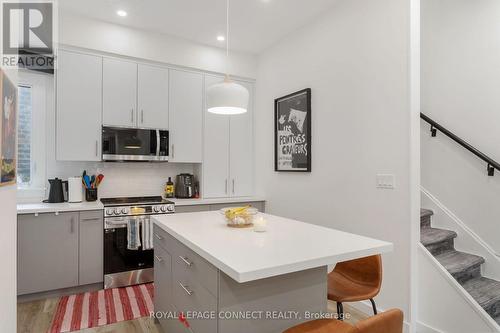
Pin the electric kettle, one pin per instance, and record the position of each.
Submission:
(58, 191)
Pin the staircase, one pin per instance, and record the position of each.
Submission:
(464, 267)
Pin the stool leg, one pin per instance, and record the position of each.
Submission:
(374, 306)
(340, 311)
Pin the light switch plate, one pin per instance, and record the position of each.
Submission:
(386, 181)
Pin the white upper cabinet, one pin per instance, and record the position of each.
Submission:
(241, 150)
(119, 93)
(216, 151)
(79, 107)
(186, 116)
(152, 97)
(228, 163)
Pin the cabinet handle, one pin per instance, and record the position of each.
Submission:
(189, 292)
(91, 219)
(72, 225)
(233, 186)
(159, 237)
(132, 116)
(186, 261)
(225, 187)
(173, 151)
(96, 147)
(160, 259)
(142, 116)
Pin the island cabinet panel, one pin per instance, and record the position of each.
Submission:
(91, 247)
(47, 252)
(280, 295)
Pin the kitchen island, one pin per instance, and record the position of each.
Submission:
(229, 280)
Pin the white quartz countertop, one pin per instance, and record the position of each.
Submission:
(41, 207)
(194, 202)
(287, 246)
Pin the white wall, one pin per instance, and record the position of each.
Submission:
(8, 247)
(356, 60)
(113, 38)
(460, 80)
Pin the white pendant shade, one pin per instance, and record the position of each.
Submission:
(227, 98)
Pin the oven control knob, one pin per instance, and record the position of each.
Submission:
(124, 210)
(156, 209)
(109, 212)
(163, 208)
(170, 208)
(116, 211)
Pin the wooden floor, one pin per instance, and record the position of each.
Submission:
(36, 317)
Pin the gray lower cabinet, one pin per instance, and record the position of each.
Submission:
(260, 205)
(47, 252)
(91, 247)
(59, 250)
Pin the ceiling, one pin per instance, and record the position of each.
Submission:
(255, 24)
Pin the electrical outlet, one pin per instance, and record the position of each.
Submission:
(386, 182)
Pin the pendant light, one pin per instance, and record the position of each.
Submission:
(228, 97)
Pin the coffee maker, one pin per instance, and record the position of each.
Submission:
(184, 187)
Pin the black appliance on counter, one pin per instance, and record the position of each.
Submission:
(124, 267)
(184, 186)
(58, 191)
(134, 144)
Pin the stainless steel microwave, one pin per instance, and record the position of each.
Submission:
(134, 144)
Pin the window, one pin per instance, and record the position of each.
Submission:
(31, 155)
(24, 142)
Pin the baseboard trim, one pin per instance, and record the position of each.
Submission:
(424, 328)
(59, 292)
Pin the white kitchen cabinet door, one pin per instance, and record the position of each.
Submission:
(186, 116)
(79, 107)
(216, 151)
(152, 97)
(241, 150)
(119, 93)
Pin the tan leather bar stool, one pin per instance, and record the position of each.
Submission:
(387, 322)
(354, 281)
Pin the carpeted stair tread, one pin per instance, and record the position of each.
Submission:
(485, 291)
(457, 262)
(429, 236)
(425, 212)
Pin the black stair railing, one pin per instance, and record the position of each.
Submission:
(491, 164)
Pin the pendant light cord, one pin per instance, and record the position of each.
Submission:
(227, 39)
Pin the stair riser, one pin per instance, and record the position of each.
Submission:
(464, 276)
(425, 222)
(438, 248)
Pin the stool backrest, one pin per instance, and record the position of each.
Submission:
(367, 271)
(390, 321)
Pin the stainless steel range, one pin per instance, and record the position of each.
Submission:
(124, 267)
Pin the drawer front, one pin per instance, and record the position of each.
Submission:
(163, 280)
(163, 239)
(191, 264)
(191, 296)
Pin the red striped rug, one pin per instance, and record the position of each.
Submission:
(102, 307)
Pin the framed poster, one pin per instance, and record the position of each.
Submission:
(8, 131)
(292, 127)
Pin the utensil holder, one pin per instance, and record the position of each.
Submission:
(91, 194)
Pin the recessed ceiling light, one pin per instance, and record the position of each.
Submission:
(121, 13)
(221, 38)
